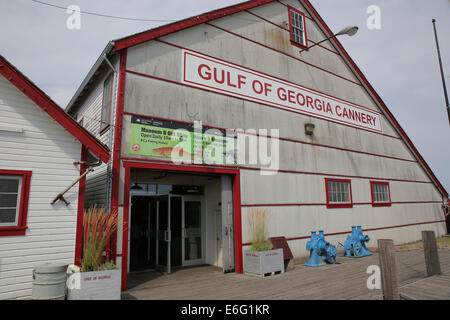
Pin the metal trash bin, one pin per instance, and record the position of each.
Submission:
(49, 281)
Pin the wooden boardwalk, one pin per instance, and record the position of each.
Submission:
(431, 288)
(346, 280)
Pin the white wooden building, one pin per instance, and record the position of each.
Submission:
(39, 147)
(239, 70)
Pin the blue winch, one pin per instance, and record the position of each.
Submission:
(320, 250)
(355, 245)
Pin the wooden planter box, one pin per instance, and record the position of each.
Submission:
(262, 263)
(96, 285)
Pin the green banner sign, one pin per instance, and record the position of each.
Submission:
(181, 142)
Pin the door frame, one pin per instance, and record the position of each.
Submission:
(134, 193)
(142, 164)
(200, 198)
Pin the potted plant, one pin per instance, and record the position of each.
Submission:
(261, 259)
(95, 279)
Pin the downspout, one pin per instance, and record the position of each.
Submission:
(111, 134)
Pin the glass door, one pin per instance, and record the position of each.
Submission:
(163, 234)
(169, 232)
(192, 231)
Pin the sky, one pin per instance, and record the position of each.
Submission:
(399, 58)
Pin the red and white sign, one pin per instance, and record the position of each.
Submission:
(216, 75)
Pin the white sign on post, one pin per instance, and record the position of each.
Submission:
(223, 77)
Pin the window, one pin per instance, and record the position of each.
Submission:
(339, 193)
(14, 192)
(106, 104)
(380, 194)
(297, 27)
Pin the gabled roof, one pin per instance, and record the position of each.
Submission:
(186, 23)
(35, 94)
(164, 30)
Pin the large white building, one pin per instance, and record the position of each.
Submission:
(240, 70)
(40, 150)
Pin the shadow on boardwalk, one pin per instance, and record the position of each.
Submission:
(346, 280)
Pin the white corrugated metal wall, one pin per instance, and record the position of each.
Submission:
(243, 39)
(46, 149)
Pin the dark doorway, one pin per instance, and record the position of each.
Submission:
(175, 226)
(142, 233)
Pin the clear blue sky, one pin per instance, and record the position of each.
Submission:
(399, 60)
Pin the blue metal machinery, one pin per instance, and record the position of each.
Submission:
(321, 251)
(355, 245)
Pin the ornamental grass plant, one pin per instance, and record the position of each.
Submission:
(258, 230)
(98, 226)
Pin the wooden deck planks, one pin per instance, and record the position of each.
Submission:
(432, 288)
(346, 280)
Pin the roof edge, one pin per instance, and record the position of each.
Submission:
(26, 86)
(108, 49)
(383, 106)
(157, 32)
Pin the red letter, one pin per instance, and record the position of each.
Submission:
(318, 102)
(344, 113)
(337, 112)
(363, 118)
(241, 80)
(260, 86)
(228, 80)
(298, 100)
(291, 96)
(267, 89)
(215, 76)
(281, 94)
(207, 75)
(309, 101)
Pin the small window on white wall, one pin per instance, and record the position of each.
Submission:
(297, 26)
(339, 193)
(10, 187)
(106, 104)
(380, 194)
(14, 194)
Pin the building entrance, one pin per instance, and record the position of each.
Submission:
(167, 231)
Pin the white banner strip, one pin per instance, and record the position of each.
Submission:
(212, 74)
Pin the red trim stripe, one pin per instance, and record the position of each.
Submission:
(379, 100)
(282, 171)
(369, 229)
(324, 204)
(283, 53)
(280, 138)
(186, 23)
(81, 198)
(244, 68)
(285, 29)
(126, 217)
(117, 145)
(261, 103)
(36, 95)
